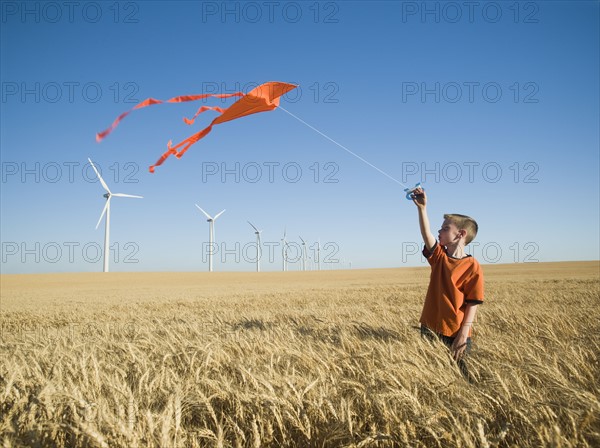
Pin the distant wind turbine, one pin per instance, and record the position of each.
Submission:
(319, 254)
(303, 254)
(258, 246)
(284, 250)
(106, 211)
(211, 235)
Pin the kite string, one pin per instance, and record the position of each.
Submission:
(342, 146)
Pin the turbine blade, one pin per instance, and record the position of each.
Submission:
(99, 177)
(301, 240)
(218, 214)
(205, 214)
(123, 195)
(103, 211)
(253, 226)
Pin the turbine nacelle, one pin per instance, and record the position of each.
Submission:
(208, 217)
(257, 232)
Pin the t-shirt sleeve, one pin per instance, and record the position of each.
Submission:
(434, 254)
(473, 288)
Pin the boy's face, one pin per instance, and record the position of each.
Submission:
(449, 233)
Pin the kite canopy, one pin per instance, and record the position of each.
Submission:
(262, 98)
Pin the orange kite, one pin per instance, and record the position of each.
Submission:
(263, 98)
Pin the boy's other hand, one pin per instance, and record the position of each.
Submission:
(419, 197)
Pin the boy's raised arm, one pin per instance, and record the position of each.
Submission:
(420, 199)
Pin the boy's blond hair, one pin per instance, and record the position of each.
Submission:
(464, 222)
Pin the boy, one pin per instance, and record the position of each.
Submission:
(456, 283)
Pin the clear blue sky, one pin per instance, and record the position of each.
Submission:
(494, 106)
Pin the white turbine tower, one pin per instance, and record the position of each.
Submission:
(284, 250)
(258, 247)
(106, 211)
(211, 235)
(319, 254)
(303, 254)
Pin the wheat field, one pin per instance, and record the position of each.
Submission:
(296, 359)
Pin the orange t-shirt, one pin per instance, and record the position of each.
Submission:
(453, 283)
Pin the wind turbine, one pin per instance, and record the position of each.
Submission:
(303, 254)
(258, 248)
(211, 234)
(284, 250)
(319, 254)
(106, 211)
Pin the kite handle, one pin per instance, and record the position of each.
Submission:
(410, 191)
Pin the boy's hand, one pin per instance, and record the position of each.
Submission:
(419, 197)
(460, 343)
(420, 200)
